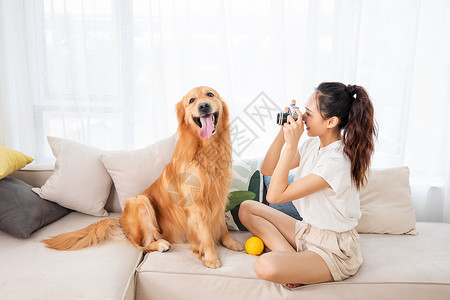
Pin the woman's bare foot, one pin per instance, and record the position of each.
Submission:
(292, 285)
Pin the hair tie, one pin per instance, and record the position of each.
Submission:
(351, 90)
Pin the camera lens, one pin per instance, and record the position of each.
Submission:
(282, 118)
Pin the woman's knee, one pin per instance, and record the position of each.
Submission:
(245, 210)
(249, 208)
(267, 268)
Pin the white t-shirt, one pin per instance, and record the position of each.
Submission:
(334, 209)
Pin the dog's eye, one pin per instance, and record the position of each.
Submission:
(210, 94)
(191, 100)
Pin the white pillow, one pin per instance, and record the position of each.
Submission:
(134, 171)
(79, 181)
(386, 204)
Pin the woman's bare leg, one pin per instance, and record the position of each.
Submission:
(275, 228)
(304, 267)
(282, 265)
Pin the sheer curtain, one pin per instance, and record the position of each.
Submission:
(109, 73)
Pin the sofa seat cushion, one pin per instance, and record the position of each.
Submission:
(29, 270)
(395, 266)
(423, 259)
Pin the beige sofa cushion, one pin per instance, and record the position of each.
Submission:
(38, 175)
(134, 171)
(29, 270)
(386, 204)
(80, 181)
(395, 266)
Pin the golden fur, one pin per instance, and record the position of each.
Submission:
(187, 202)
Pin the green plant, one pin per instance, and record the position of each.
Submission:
(237, 197)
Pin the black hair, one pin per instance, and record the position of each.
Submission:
(352, 106)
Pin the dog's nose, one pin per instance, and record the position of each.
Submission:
(204, 107)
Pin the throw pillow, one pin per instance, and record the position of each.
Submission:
(79, 181)
(11, 161)
(134, 171)
(287, 207)
(386, 204)
(246, 177)
(22, 211)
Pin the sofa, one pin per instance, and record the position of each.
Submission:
(410, 263)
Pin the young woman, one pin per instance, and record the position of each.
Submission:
(333, 165)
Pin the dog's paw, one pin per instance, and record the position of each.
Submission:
(233, 245)
(212, 263)
(237, 247)
(163, 245)
(160, 245)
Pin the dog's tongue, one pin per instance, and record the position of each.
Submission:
(207, 127)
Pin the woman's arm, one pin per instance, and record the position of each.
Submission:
(297, 189)
(273, 155)
(279, 190)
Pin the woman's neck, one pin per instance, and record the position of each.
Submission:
(325, 140)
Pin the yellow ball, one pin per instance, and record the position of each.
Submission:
(254, 246)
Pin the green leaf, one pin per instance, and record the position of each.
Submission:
(237, 197)
(255, 183)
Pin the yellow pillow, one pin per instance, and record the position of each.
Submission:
(12, 160)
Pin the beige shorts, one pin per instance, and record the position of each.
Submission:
(339, 250)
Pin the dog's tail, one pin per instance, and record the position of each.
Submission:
(92, 235)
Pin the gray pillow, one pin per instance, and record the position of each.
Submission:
(22, 211)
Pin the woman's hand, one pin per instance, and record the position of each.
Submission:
(293, 130)
(290, 157)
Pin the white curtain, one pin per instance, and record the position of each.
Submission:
(108, 73)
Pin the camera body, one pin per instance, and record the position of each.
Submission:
(282, 116)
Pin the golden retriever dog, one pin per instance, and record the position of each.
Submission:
(186, 204)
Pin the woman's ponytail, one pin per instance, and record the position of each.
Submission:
(359, 134)
(352, 105)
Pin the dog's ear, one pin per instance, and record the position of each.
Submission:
(225, 112)
(181, 113)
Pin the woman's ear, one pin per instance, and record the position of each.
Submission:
(332, 122)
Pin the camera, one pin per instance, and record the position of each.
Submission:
(282, 116)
